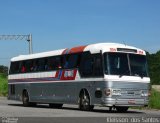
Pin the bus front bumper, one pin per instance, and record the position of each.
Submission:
(124, 102)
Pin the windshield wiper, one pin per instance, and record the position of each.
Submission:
(140, 75)
(127, 71)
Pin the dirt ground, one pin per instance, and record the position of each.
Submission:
(156, 87)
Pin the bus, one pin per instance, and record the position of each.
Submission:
(103, 74)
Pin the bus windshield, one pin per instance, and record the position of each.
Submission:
(125, 64)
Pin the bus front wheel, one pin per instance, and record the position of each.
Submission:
(84, 103)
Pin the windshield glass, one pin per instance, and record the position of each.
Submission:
(138, 65)
(125, 64)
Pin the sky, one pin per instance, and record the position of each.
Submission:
(58, 24)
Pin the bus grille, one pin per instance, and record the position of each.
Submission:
(130, 93)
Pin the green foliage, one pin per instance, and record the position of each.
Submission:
(154, 67)
(3, 80)
(3, 85)
(154, 101)
(4, 70)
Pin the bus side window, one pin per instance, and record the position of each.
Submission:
(73, 61)
(46, 65)
(86, 66)
(28, 65)
(66, 61)
(91, 65)
(98, 68)
(34, 66)
(58, 62)
(23, 67)
(41, 64)
(51, 63)
(14, 68)
(54, 63)
(78, 60)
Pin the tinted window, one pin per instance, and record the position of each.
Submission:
(118, 64)
(87, 68)
(54, 63)
(71, 61)
(98, 67)
(125, 64)
(14, 68)
(41, 64)
(28, 65)
(91, 65)
(46, 64)
(34, 66)
(138, 65)
(74, 60)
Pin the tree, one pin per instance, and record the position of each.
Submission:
(4, 70)
(154, 67)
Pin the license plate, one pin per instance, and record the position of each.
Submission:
(131, 102)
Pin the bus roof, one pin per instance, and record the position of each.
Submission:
(93, 48)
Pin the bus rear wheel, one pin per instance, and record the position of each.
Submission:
(53, 105)
(122, 109)
(84, 103)
(25, 99)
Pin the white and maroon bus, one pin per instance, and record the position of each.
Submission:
(102, 74)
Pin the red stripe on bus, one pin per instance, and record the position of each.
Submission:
(77, 49)
(57, 73)
(68, 75)
(60, 75)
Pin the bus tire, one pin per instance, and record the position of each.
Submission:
(84, 101)
(25, 99)
(53, 105)
(122, 109)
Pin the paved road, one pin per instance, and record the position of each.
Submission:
(70, 113)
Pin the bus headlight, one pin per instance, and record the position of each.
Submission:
(107, 92)
(145, 93)
(116, 92)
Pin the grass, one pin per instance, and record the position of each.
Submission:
(154, 101)
(3, 85)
